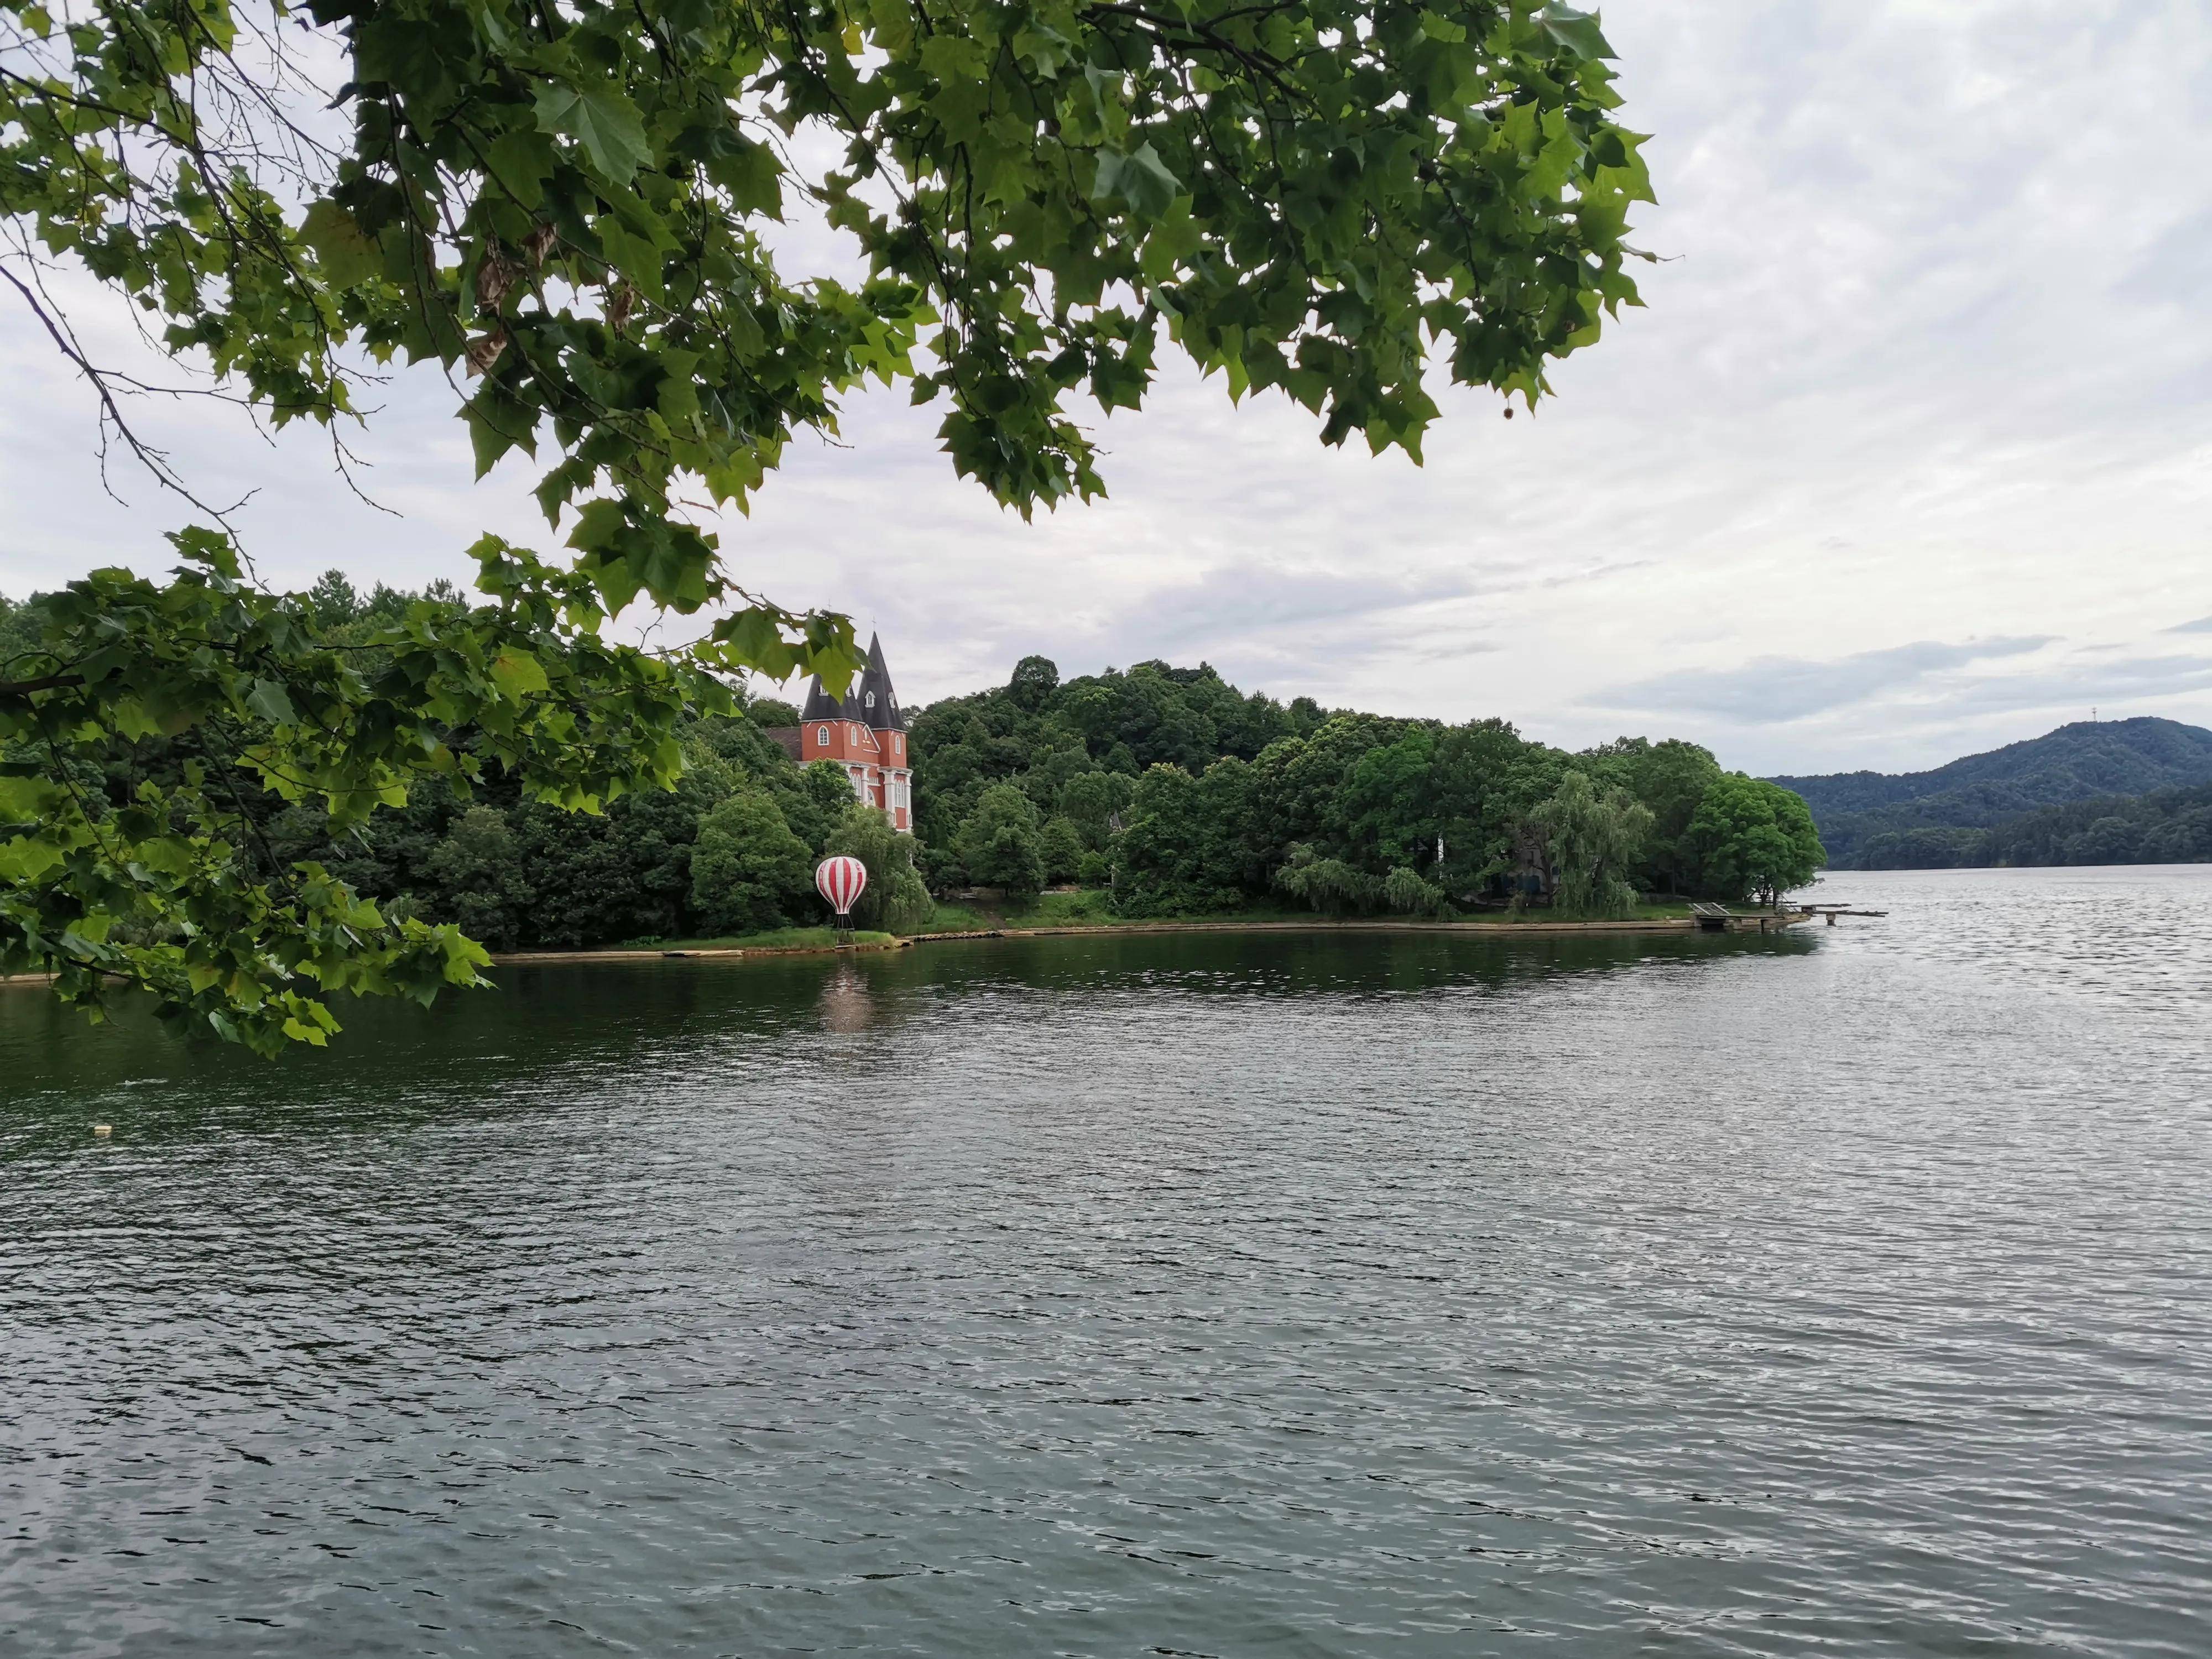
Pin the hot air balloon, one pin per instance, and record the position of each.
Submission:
(841, 880)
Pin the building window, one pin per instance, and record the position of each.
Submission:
(898, 744)
(871, 700)
(821, 737)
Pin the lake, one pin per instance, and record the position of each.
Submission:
(1849, 1291)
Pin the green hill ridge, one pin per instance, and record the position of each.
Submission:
(1944, 817)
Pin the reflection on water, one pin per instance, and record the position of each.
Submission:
(846, 1002)
(1228, 1294)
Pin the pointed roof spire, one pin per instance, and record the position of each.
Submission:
(820, 705)
(878, 703)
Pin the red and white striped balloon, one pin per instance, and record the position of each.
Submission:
(841, 880)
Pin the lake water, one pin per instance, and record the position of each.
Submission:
(1850, 1292)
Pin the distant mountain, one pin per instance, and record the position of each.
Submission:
(1877, 821)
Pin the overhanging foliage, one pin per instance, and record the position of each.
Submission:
(571, 209)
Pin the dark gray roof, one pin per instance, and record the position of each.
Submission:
(873, 700)
(820, 706)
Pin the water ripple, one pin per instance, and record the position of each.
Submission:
(1291, 1294)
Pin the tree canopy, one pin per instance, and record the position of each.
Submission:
(574, 203)
(573, 211)
(1754, 836)
(1188, 796)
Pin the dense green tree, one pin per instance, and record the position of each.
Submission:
(1297, 782)
(749, 873)
(1060, 847)
(1093, 802)
(1592, 837)
(1471, 811)
(1386, 807)
(895, 898)
(1670, 778)
(1328, 885)
(998, 844)
(18, 633)
(814, 799)
(1050, 771)
(480, 883)
(1405, 892)
(1034, 679)
(1752, 839)
(622, 874)
(150, 725)
(2165, 826)
(1186, 851)
(1486, 778)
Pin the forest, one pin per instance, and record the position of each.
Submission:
(1181, 795)
(2161, 826)
(1164, 789)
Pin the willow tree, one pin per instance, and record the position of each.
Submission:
(572, 209)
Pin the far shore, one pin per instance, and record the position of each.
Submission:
(1748, 921)
(1745, 921)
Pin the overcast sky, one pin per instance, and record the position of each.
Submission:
(1910, 455)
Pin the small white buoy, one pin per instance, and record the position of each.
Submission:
(103, 1130)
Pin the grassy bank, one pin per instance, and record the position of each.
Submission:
(779, 939)
(1091, 908)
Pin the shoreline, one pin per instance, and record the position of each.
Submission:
(1760, 922)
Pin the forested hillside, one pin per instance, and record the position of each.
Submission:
(1184, 794)
(1166, 789)
(1873, 821)
(2166, 826)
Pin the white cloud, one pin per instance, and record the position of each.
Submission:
(1776, 691)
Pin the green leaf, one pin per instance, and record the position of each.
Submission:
(406, 53)
(1577, 31)
(497, 422)
(517, 673)
(637, 258)
(27, 800)
(603, 121)
(272, 702)
(522, 161)
(26, 859)
(1139, 179)
(750, 172)
(345, 257)
(600, 528)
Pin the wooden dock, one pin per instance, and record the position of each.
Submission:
(1710, 918)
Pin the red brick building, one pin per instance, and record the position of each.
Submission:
(864, 733)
